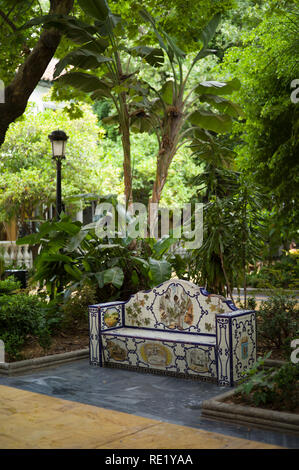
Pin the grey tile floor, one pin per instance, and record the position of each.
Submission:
(168, 399)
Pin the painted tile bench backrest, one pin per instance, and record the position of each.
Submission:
(176, 305)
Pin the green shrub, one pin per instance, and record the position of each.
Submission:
(282, 274)
(23, 315)
(9, 285)
(277, 388)
(277, 322)
(75, 309)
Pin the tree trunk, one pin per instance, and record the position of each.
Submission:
(163, 163)
(167, 151)
(225, 276)
(125, 129)
(30, 72)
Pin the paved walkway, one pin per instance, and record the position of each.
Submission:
(154, 410)
(34, 421)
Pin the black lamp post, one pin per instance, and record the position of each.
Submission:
(58, 140)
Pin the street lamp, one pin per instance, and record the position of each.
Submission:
(58, 140)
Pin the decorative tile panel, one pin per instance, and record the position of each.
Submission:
(177, 305)
(181, 358)
(111, 317)
(243, 344)
(94, 336)
(223, 350)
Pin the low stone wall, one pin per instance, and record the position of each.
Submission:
(279, 421)
(29, 365)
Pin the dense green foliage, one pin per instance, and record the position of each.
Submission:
(72, 256)
(232, 230)
(23, 316)
(277, 322)
(9, 285)
(273, 388)
(282, 273)
(169, 14)
(266, 64)
(14, 43)
(248, 180)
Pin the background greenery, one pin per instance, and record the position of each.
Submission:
(247, 179)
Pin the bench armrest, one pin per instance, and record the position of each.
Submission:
(236, 344)
(109, 315)
(102, 317)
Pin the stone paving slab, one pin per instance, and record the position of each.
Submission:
(34, 421)
(168, 399)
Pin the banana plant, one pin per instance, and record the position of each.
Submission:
(106, 61)
(176, 113)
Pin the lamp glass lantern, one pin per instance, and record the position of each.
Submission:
(58, 140)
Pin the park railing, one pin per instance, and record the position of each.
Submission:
(16, 255)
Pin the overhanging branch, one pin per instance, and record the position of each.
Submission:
(8, 21)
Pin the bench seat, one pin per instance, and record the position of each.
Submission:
(159, 335)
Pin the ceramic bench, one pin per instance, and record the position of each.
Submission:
(176, 328)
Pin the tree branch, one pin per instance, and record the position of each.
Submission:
(8, 21)
(30, 72)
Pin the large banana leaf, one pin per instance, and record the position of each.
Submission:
(114, 276)
(160, 271)
(218, 88)
(145, 15)
(223, 105)
(211, 121)
(105, 20)
(85, 82)
(167, 91)
(74, 29)
(55, 257)
(140, 123)
(168, 44)
(173, 48)
(152, 55)
(203, 53)
(209, 31)
(111, 119)
(83, 58)
(76, 240)
(98, 9)
(163, 245)
(73, 271)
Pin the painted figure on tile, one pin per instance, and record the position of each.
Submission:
(176, 308)
(155, 354)
(198, 360)
(111, 318)
(116, 351)
(244, 347)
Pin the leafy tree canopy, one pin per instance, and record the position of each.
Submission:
(266, 63)
(181, 19)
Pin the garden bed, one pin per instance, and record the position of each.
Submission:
(238, 399)
(228, 407)
(60, 343)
